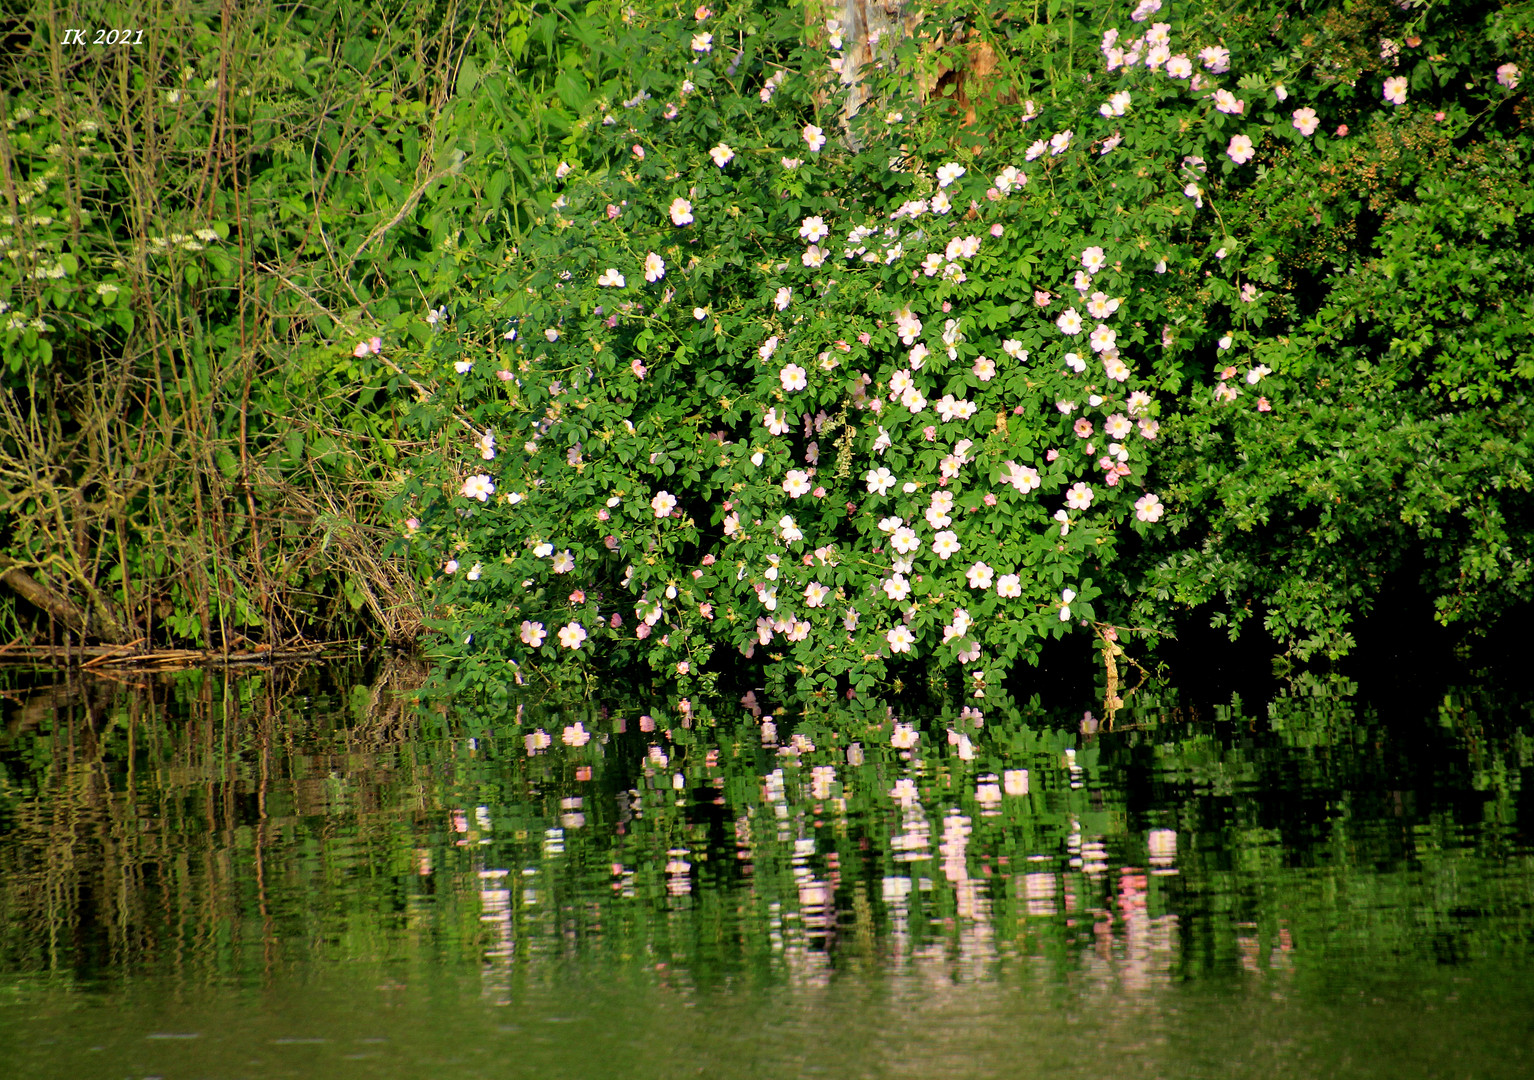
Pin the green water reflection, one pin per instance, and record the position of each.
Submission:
(304, 876)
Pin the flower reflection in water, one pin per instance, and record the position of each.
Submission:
(680, 852)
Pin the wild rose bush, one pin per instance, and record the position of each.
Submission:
(847, 396)
(1384, 228)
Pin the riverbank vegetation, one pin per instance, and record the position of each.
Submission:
(631, 335)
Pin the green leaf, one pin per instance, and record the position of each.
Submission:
(572, 90)
(468, 76)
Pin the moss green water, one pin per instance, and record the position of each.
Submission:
(263, 878)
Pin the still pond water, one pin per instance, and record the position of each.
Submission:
(302, 876)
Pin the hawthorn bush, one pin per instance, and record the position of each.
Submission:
(799, 365)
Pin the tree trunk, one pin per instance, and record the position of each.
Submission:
(869, 29)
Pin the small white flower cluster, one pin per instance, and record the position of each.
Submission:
(193, 242)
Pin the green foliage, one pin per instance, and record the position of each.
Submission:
(190, 221)
(222, 248)
(659, 420)
(1398, 335)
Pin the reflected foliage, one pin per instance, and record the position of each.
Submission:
(213, 830)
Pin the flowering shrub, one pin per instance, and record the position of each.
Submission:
(852, 388)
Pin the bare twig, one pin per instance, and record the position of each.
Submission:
(405, 208)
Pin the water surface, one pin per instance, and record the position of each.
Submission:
(304, 876)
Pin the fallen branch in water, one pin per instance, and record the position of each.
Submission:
(130, 655)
